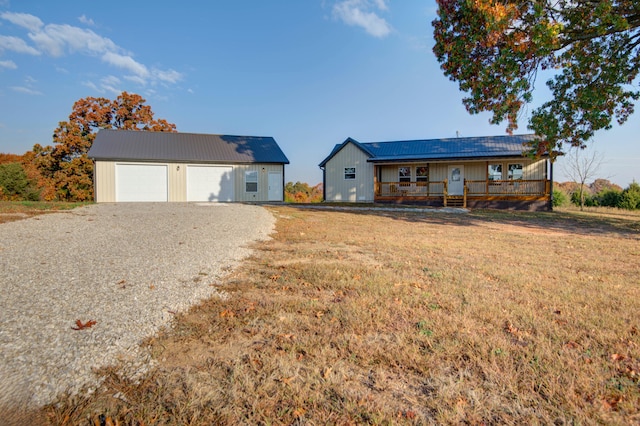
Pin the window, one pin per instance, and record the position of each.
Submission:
(349, 173)
(514, 171)
(422, 174)
(495, 172)
(404, 174)
(251, 181)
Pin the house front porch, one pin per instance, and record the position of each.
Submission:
(518, 194)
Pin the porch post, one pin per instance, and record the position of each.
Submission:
(550, 185)
(486, 179)
(376, 188)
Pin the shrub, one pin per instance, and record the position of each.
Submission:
(589, 201)
(630, 197)
(559, 198)
(609, 198)
(14, 183)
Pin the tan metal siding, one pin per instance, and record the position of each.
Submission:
(535, 170)
(177, 182)
(351, 190)
(263, 181)
(438, 171)
(105, 181)
(389, 174)
(531, 169)
(475, 171)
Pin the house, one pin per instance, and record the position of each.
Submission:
(162, 166)
(476, 172)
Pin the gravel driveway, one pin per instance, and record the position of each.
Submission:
(128, 267)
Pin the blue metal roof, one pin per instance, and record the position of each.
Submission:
(131, 145)
(441, 149)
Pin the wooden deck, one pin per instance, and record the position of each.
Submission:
(483, 193)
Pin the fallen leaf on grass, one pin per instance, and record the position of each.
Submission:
(611, 403)
(227, 313)
(286, 336)
(286, 380)
(326, 372)
(81, 326)
(618, 357)
(571, 345)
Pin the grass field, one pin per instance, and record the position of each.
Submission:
(372, 317)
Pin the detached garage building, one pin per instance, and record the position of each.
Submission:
(142, 166)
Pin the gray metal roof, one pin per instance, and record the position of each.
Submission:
(440, 149)
(131, 145)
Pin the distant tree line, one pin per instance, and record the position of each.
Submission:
(62, 171)
(303, 193)
(601, 193)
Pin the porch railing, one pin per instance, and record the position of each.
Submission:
(410, 189)
(507, 187)
(473, 188)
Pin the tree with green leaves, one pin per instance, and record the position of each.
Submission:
(14, 183)
(495, 50)
(65, 166)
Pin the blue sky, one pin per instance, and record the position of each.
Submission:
(310, 73)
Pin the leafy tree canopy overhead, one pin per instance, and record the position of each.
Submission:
(495, 49)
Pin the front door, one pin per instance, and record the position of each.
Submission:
(275, 186)
(456, 180)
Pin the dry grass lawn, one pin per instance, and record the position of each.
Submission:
(11, 211)
(372, 317)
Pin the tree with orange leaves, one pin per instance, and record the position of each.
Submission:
(66, 173)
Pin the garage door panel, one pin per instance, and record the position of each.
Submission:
(209, 183)
(141, 183)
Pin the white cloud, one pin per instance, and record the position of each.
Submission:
(127, 63)
(8, 64)
(109, 84)
(17, 45)
(25, 20)
(56, 40)
(381, 4)
(135, 79)
(169, 76)
(62, 39)
(361, 13)
(86, 21)
(27, 90)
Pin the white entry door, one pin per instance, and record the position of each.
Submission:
(209, 183)
(456, 180)
(275, 186)
(141, 183)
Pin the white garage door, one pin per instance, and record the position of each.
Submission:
(141, 182)
(209, 183)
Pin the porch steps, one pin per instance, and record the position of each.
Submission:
(455, 201)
